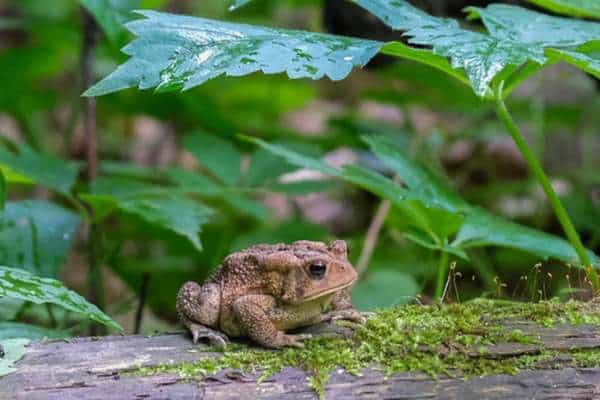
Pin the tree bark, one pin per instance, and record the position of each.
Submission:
(96, 368)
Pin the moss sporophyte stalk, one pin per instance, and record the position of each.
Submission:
(451, 340)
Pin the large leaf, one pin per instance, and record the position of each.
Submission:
(235, 4)
(14, 350)
(176, 213)
(483, 57)
(216, 154)
(180, 52)
(575, 8)
(481, 228)
(36, 236)
(20, 284)
(26, 166)
(478, 228)
(111, 15)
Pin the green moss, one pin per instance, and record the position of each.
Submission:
(436, 339)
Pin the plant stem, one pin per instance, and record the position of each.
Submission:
(142, 302)
(442, 275)
(538, 172)
(90, 40)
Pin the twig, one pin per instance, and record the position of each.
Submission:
(90, 41)
(372, 235)
(140, 309)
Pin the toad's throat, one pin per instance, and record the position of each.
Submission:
(329, 291)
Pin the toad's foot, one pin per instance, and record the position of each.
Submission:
(215, 338)
(295, 340)
(348, 315)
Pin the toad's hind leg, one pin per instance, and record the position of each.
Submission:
(251, 312)
(198, 309)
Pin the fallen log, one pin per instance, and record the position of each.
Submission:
(117, 367)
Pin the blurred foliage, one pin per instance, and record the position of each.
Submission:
(180, 188)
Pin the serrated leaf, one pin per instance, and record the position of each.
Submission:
(519, 25)
(14, 350)
(215, 154)
(36, 236)
(481, 56)
(422, 183)
(176, 213)
(111, 15)
(20, 284)
(26, 165)
(516, 36)
(173, 52)
(14, 330)
(479, 227)
(575, 8)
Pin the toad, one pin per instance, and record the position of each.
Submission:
(267, 290)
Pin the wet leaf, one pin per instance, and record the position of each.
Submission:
(36, 236)
(26, 166)
(575, 8)
(235, 4)
(111, 15)
(174, 52)
(516, 36)
(14, 350)
(20, 284)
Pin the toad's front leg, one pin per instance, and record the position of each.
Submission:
(252, 314)
(342, 309)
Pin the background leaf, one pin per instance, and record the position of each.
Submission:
(36, 236)
(384, 288)
(42, 169)
(216, 154)
(14, 330)
(575, 8)
(173, 52)
(20, 284)
(111, 15)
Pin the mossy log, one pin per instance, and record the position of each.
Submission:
(105, 368)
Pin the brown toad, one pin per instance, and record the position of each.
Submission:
(266, 290)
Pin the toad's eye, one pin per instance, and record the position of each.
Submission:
(317, 270)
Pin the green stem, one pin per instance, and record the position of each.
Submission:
(442, 274)
(539, 174)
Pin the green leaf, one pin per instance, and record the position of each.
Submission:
(176, 213)
(384, 287)
(215, 154)
(14, 350)
(26, 166)
(481, 228)
(423, 185)
(36, 236)
(516, 36)
(173, 52)
(519, 25)
(111, 15)
(588, 62)
(14, 330)
(481, 57)
(574, 8)
(20, 284)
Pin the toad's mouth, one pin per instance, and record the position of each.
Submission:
(330, 290)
